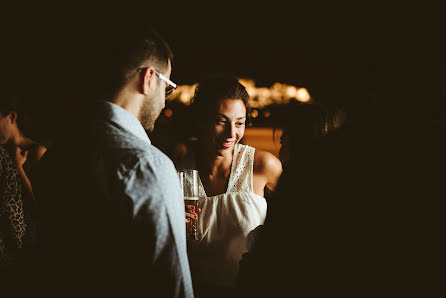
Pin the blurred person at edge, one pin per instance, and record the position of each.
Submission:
(19, 153)
(363, 208)
(232, 182)
(302, 123)
(112, 213)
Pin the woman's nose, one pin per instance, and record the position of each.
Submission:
(230, 131)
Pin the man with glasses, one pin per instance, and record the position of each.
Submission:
(111, 204)
(150, 113)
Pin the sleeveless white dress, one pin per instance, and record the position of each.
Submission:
(224, 222)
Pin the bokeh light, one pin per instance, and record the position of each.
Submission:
(260, 97)
(168, 113)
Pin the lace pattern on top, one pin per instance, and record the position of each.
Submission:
(240, 178)
(225, 221)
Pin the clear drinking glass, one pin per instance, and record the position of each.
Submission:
(189, 183)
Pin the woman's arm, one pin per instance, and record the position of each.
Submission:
(20, 157)
(30, 157)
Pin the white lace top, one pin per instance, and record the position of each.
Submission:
(224, 222)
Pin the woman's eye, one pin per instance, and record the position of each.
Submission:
(219, 121)
(240, 123)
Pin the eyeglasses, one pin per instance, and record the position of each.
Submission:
(171, 86)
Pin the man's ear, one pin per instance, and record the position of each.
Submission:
(148, 80)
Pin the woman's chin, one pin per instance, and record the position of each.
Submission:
(223, 150)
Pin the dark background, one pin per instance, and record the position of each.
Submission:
(285, 41)
(331, 48)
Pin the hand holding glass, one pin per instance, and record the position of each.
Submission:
(189, 184)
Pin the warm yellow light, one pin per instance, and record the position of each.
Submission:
(254, 113)
(303, 95)
(278, 93)
(184, 93)
(291, 91)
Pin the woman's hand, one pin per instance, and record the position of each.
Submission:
(191, 212)
(20, 155)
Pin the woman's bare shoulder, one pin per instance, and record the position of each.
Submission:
(268, 166)
(266, 161)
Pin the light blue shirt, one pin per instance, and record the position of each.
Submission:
(136, 216)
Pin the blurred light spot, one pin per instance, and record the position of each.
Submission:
(302, 95)
(260, 97)
(266, 114)
(168, 113)
(254, 113)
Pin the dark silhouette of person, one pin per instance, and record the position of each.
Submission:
(359, 213)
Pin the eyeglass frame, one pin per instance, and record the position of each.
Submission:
(162, 77)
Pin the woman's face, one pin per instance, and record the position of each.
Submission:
(228, 125)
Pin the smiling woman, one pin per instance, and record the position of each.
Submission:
(231, 191)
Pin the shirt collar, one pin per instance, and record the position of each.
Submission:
(123, 118)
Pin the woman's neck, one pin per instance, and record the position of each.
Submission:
(21, 141)
(212, 164)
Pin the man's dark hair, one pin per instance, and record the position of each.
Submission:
(121, 53)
